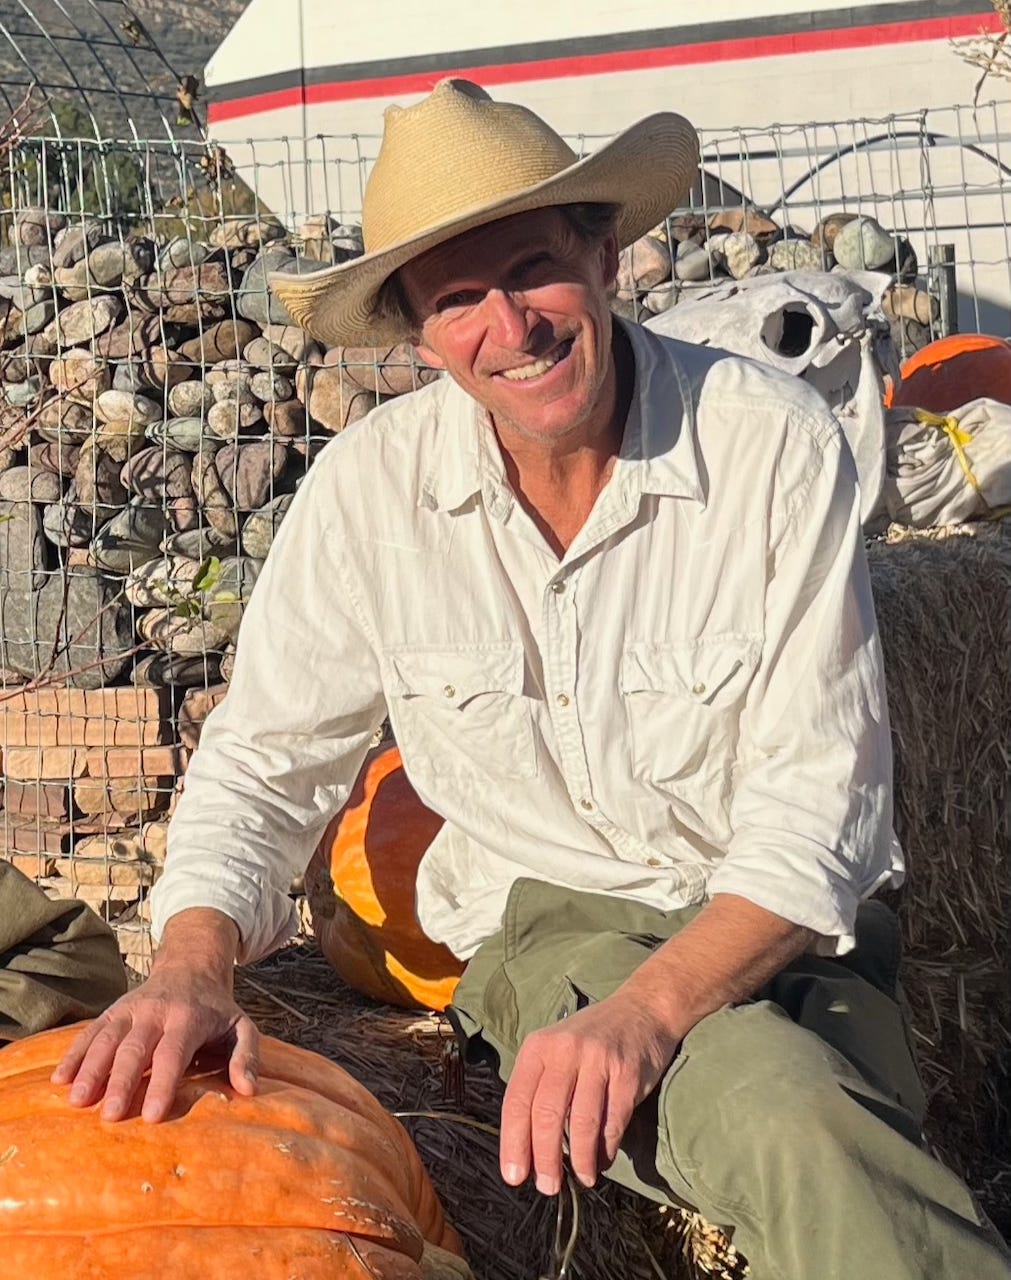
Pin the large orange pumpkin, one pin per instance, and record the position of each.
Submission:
(310, 1179)
(952, 371)
(360, 885)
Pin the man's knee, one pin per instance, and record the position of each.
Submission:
(751, 1092)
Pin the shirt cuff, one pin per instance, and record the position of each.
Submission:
(266, 919)
(826, 905)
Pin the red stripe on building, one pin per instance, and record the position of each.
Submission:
(396, 86)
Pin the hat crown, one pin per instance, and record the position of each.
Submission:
(454, 152)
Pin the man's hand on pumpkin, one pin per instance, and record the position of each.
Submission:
(582, 1077)
(184, 1006)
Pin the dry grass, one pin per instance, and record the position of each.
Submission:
(943, 604)
(402, 1058)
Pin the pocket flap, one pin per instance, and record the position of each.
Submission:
(458, 674)
(712, 671)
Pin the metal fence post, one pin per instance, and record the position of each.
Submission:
(941, 282)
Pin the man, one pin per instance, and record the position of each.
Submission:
(610, 591)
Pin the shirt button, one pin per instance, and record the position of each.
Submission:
(699, 689)
(562, 700)
(449, 691)
(586, 804)
(653, 862)
(558, 588)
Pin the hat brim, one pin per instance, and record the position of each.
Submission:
(646, 171)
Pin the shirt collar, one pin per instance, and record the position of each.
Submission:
(657, 452)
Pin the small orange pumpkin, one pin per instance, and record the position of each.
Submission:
(952, 371)
(310, 1178)
(361, 884)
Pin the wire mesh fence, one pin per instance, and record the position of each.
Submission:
(158, 409)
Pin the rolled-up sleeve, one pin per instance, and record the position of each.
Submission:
(277, 758)
(812, 807)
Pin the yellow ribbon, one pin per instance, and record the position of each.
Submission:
(959, 439)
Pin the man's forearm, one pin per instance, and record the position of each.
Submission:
(729, 950)
(201, 937)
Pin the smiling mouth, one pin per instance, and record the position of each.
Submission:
(537, 369)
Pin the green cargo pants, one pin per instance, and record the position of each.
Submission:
(793, 1121)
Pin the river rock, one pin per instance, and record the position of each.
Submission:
(100, 487)
(22, 546)
(80, 375)
(66, 523)
(128, 377)
(73, 242)
(28, 484)
(199, 543)
(742, 252)
(863, 245)
(120, 440)
(222, 341)
(330, 397)
(235, 385)
(215, 500)
(19, 260)
(12, 323)
(64, 421)
(36, 226)
(181, 251)
(262, 354)
(747, 221)
(164, 369)
(256, 301)
(385, 371)
(643, 265)
(131, 538)
(249, 472)
(188, 434)
(798, 255)
(347, 241)
(93, 635)
(187, 295)
(120, 406)
(270, 387)
(261, 526)
(163, 582)
(21, 395)
(169, 670)
(189, 399)
(246, 233)
(692, 262)
(40, 316)
(228, 418)
(227, 665)
(159, 475)
(173, 631)
(137, 335)
(56, 456)
(829, 227)
(13, 289)
(227, 594)
(82, 321)
(296, 342)
(287, 417)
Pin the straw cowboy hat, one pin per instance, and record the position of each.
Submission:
(458, 160)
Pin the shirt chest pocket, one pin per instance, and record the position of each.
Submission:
(683, 700)
(462, 710)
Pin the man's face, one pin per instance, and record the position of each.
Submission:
(517, 313)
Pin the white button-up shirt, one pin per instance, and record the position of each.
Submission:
(688, 702)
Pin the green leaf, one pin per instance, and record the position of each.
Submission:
(208, 574)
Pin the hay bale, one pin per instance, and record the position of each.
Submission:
(401, 1056)
(943, 603)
